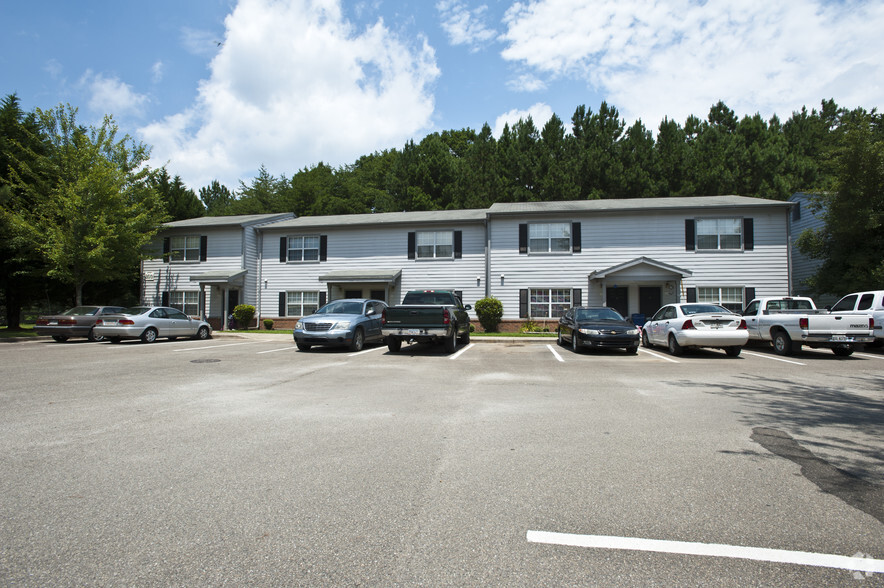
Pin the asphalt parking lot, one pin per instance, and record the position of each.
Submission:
(242, 461)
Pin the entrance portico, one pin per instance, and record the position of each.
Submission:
(639, 286)
(224, 287)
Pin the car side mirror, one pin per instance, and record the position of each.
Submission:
(468, 307)
(369, 312)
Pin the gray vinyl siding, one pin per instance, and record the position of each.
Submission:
(367, 248)
(802, 266)
(616, 238)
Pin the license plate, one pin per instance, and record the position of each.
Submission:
(412, 331)
(844, 338)
(110, 323)
(53, 322)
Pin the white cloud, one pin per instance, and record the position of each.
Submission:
(110, 95)
(292, 85)
(157, 71)
(540, 113)
(680, 57)
(526, 83)
(464, 26)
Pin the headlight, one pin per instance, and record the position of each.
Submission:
(632, 332)
(299, 326)
(589, 331)
(341, 326)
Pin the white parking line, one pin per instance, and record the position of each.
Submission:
(275, 350)
(365, 351)
(866, 355)
(215, 346)
(555, 353)
(462, 351)
(771, 357)
(858, 564)
(657, 355)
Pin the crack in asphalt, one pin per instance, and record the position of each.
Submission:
(856, 492)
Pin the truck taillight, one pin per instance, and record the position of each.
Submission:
(743, 325)
(384, 317)
(803, 323)
(871, 322)
(446, 317)
(688, 324)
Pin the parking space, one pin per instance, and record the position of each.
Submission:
(246, 461)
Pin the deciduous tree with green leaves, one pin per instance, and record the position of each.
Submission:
(96, 212)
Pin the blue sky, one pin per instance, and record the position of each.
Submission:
(218, 88)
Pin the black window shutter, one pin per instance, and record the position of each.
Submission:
(411, 245)
(576, 239)
(523, 239)
(167, 247)
(749, 295)
(458, 244)
(748, 234)
(577, 297)
(690, 228)
(283, 250)
(691, 294)
(204, 247)
(165, 301)
(323, 247)
(523, 303)
(282, 304)
(323, 298)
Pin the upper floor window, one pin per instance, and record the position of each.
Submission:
(185, 248)
(719, 233)
(549, 238)
(435, 244)
(303, 248)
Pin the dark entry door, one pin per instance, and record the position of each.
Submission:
(649, 300)
(232, 300)
(618, 299)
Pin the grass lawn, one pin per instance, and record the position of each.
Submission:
(24, 331)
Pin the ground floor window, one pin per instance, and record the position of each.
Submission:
(301, 303)
(730, 297)
(186, 302)
(548, 303)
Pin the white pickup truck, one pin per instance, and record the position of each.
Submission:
(871, 302)
(790, 322)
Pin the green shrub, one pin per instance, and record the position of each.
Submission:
(243, 315)
(268, 324)
(490, 312)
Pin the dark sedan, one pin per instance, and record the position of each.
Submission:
(74, 322)
(597, 328)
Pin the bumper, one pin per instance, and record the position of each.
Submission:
(56, 330)
(416, 332)
(835, 340)
(602, 341)
(327, 338)
(121, 332)
(718, 338)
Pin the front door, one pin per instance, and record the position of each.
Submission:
(618, 299)
(233, 302)
(649, 298)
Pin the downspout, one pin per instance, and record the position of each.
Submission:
(258, 292)
(487, 255)
(789, 249)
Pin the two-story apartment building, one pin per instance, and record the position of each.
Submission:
(538, 258)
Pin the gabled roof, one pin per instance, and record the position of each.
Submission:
(383, 219)
(601, 274)
(632, 204)
(241, 220)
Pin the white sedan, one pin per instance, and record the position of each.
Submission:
(678, 326)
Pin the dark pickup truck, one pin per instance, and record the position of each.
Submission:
(427, 316)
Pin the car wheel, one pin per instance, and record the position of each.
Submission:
(633, 349)
(451, 340)
(842, 351)
(559, 338)
(645, 341)
(674, 347)
(93, 337)
(733, 351)
(782, 343)
(465, 338)
(575, 346)
(394, 344)
(303, 346)
(59, 338)
(149, 335)
(203, 333)
(358, 341)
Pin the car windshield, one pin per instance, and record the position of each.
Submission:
(81, 311)
(341, 307)
(135, 310)
(598, 314)
(689, 309)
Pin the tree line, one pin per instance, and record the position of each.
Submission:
(79, 204)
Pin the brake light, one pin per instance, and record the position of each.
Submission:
(871, 323)
(42, 321)
(99, 322)
(127, 322)
(384, 317)
(688, 324)
(803, 323)
(446, 317)
(743, 325)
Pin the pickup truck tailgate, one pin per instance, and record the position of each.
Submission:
(831, 324)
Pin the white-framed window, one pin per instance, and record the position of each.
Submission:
(184, 248)
(549, 238)
(434, 244)
(730, 297)
(548, 302)
(719, 233)
(186, 302)
(303, 248)
(301, 303)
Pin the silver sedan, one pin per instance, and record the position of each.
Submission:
(149, 323)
